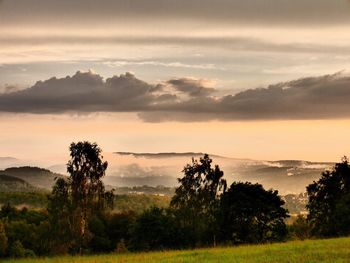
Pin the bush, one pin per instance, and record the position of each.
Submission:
(121, 248)
(17, 250)
(300, 229)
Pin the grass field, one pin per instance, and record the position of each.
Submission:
(327, 250)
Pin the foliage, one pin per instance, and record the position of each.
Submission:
(120, 226)
(61, 218)
(250, 214)
(28, 199)
(329, 200)
(3, 240)
(121, 248)
(139, 202)
(18, 251)
(121, 202)
(155, 229)
(78, 217)
(196, 199)
(76, 199)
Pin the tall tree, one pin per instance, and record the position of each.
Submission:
(329, 201)
(83, 193)
(196, 199)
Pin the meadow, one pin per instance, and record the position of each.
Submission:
(325, 250)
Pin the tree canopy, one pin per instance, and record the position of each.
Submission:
(250, 214)
(196, 199)
(329, 202)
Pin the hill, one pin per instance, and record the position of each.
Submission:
(37, 177)
(128, 169)
(137, 169)
(311, 251)
(13, 184)
(167, 154)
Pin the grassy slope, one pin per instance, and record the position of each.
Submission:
(328, 250)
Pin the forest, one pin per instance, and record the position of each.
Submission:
(78, 215)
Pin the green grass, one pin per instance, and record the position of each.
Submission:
(327, 250)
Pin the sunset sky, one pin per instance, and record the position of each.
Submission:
(260, 79)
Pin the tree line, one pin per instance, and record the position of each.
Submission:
(203, 212)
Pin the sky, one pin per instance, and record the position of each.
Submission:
(260, 79)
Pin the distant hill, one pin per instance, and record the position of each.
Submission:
(37, 177)
(166, 154)
(13, 184)
(128, 169)
(287, 176)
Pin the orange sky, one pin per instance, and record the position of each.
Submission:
(47, 137)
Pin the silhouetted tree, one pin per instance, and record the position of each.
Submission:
(250, 214)
(83, 193)
(329, 202)
(196, 199)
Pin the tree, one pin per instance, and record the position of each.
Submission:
(154, 229)
(83, 194)
(329, 200)
(250, 214)
(61, 217)
(3, 240)
(120, 227)
(196, 199)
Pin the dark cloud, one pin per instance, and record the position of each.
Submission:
(83, 92)
(184, 99)
(324, 97)
(192, 87)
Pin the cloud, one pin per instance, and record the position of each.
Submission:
(190, 86)
(83, 92)
(315, 12)
(184, 99)
(123, 63)
(9, 89)
(235, 43)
